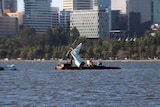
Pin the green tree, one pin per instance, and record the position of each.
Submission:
(74, 34)
(59, 37)
(27, 36)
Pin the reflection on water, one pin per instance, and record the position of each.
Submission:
(38, 84)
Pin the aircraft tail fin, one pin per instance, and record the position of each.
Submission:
(75, 54)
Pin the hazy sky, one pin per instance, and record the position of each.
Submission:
(119, 5)
(55, 3)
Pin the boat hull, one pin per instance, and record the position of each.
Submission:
(84, 67)
(10, 67)
(1, 68)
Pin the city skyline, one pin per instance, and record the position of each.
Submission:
(58, 3)
(55, 3)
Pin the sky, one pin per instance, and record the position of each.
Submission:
(55, 3)
(119, 5)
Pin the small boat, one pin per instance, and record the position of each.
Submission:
(10, 67)
(69, 67)
(1, 68)
(80, 64)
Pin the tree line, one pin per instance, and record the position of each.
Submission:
(54, 43)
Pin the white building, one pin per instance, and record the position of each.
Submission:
(67, 5)
(91, 23)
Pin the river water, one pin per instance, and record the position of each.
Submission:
(37, 84)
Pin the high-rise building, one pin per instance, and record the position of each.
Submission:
(103, 4)
(65, 19)
(67, 5)
(90, 7)
(82, 5)
(37, 14)
(9, 5)
(8, 26)
(144, 7)
(55, 17)
(156, 11)
(70, 5)
(115, 19)
(91, 23)
(8, 21)
(139, 16)
(100, 3)
(1, 7)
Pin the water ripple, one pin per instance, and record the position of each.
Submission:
(45, 87)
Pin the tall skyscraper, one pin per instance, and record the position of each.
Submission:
(100, 3)
(8, 24)
(55, 17)
(139, 16)
(82, 5)
(67, 5)
(104, 5)
(65, 20)
(156, 11)
(10, 5)
(91, 23)
(144, 7)
(1, 7)
(38, 14)
(70, 5)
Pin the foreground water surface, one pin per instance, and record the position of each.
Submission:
(37, 84)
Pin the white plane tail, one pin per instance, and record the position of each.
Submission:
(77, 49)
(75, 54)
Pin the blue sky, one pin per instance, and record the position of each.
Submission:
(55, 3)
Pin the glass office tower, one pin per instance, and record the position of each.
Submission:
(101, 3)
(139, 16)
(156, 11)
(38, 14)
(10, 5)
